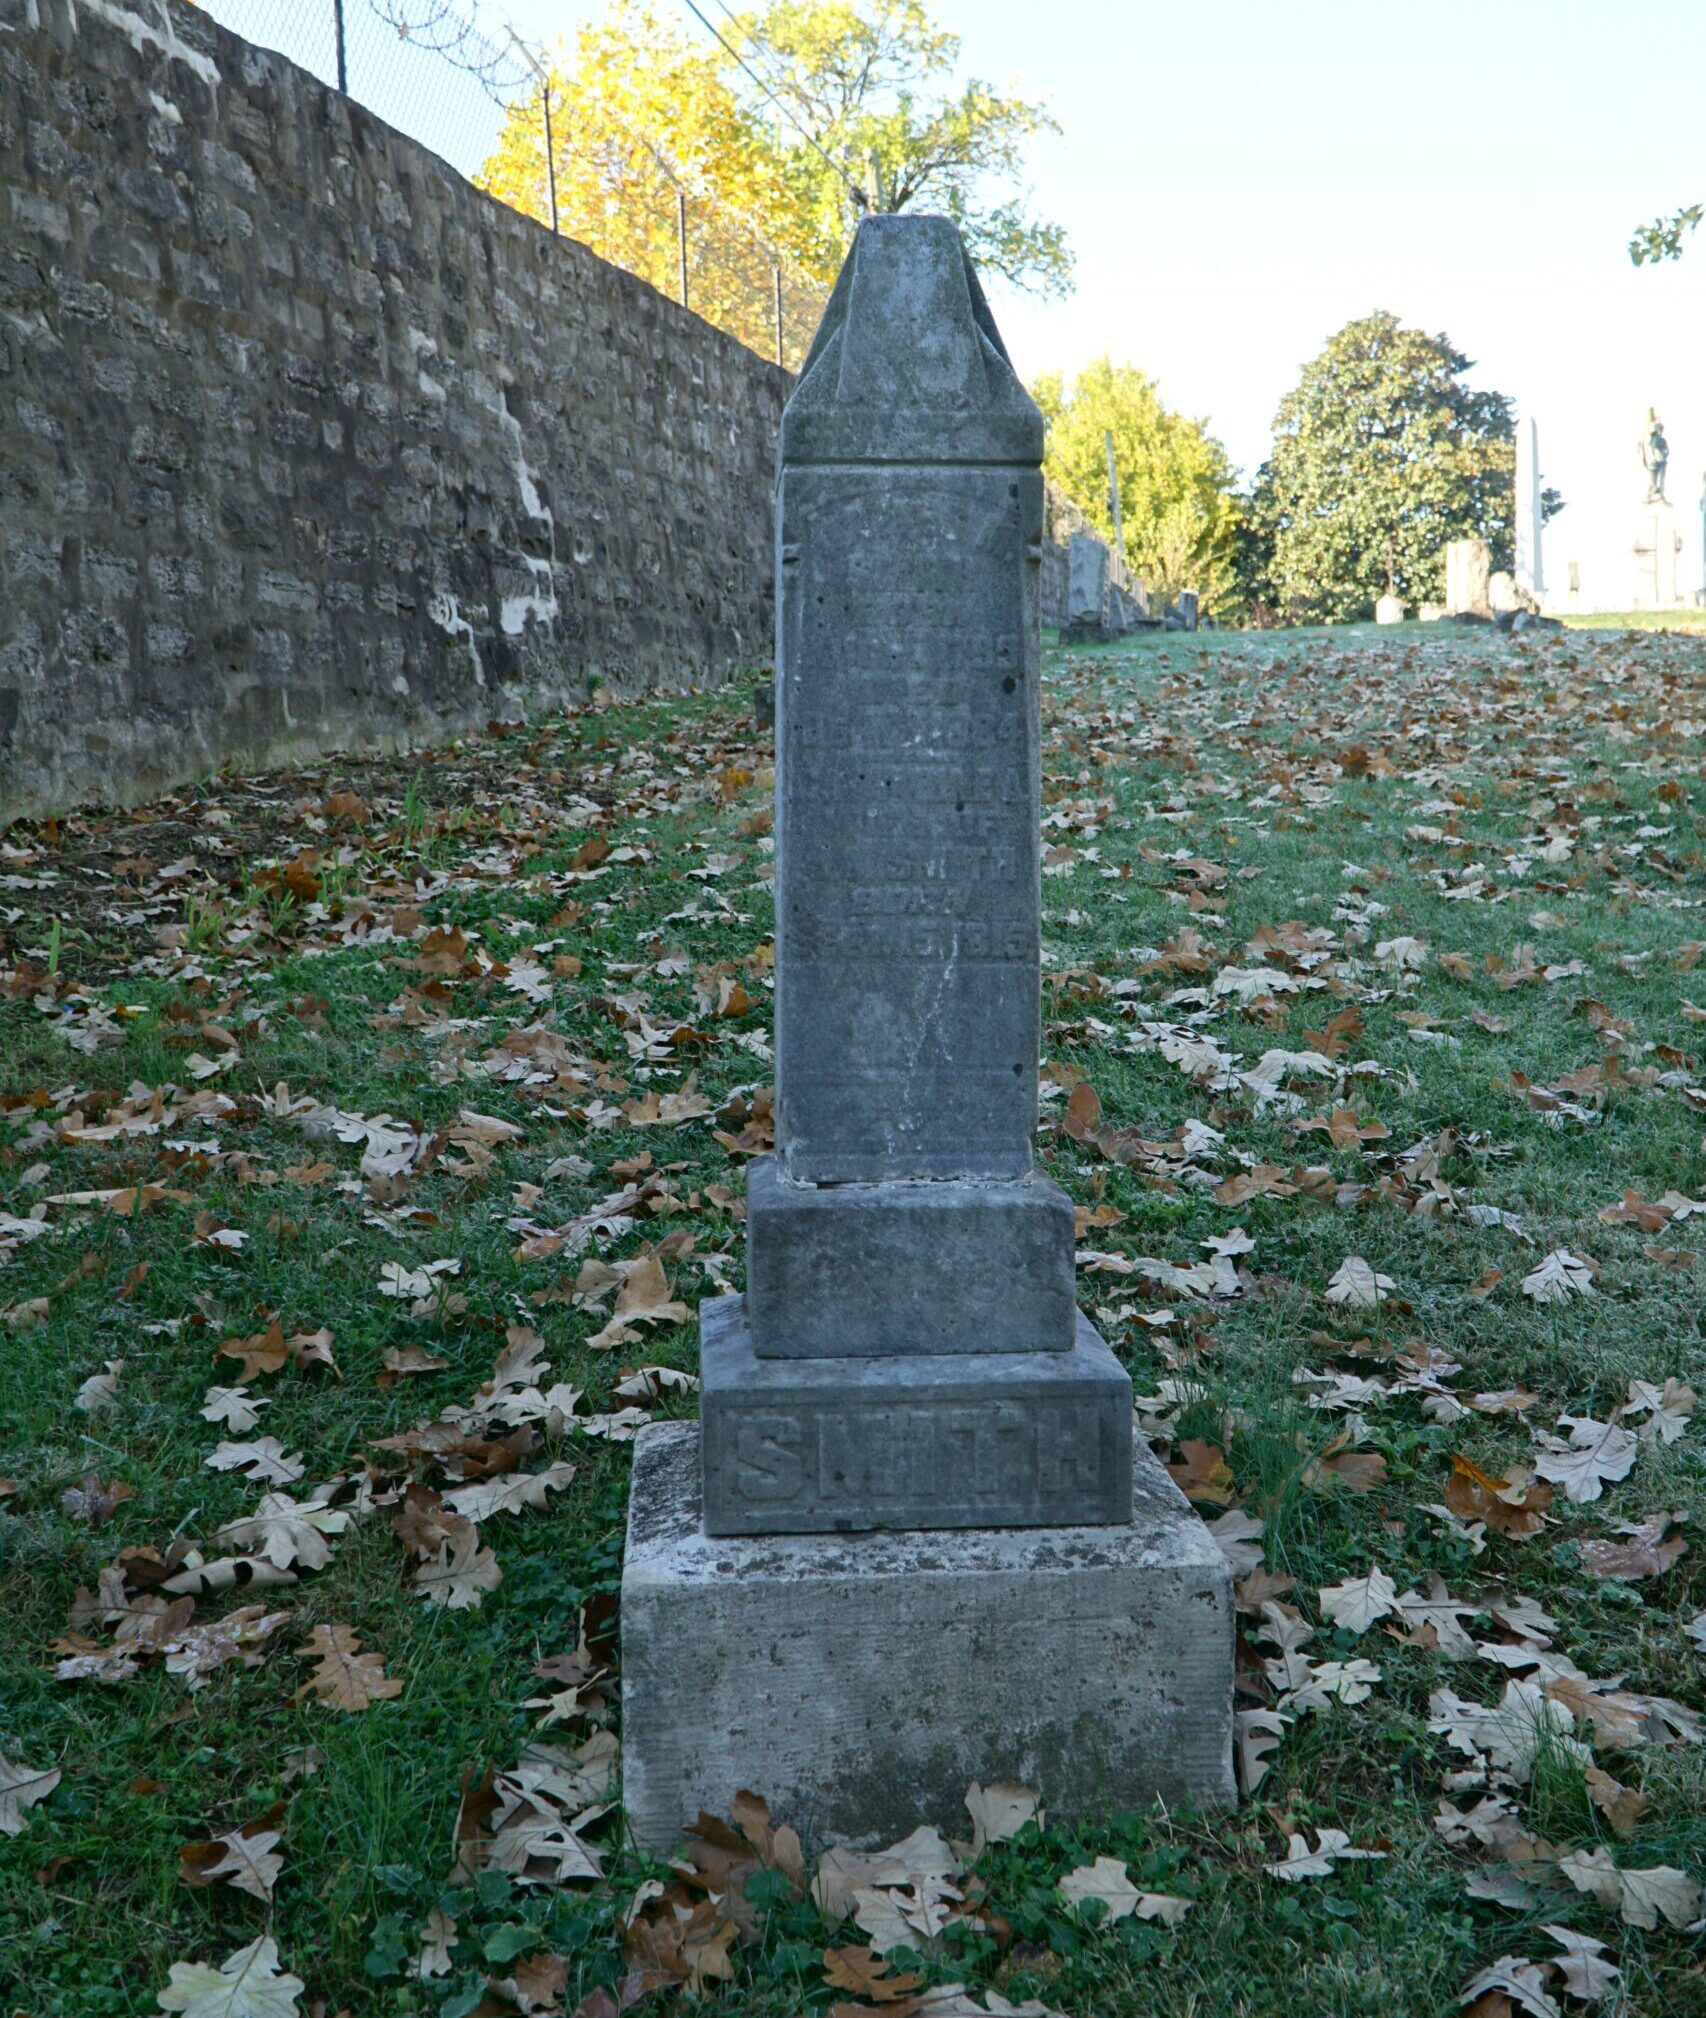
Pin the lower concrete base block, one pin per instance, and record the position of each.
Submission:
(861, 1683)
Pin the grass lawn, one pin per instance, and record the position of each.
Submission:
(1639, 620)
(406, 1104)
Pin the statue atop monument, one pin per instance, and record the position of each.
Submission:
(1655, 458)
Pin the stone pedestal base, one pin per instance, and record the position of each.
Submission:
(1656, 548)
(919, 1440)
(860, 1684)
(836, 1271)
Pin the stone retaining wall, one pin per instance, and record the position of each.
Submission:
(306, 444)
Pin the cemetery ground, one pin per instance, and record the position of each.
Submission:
(371, 1131)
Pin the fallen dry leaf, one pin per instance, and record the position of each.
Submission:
(1332, 1846)
(245, 1858)
(248, 1984)
(868, 1975)
(344, 1677)
(998, 1812)
(1108, 1881)
(21, 1787)
(460, 1573)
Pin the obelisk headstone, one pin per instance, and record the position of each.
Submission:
(908, 1356)
(1530, 571)
(909, 1352)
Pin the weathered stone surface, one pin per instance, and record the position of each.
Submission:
(938, 1440)
(907, 902)
(950, 1266)
(861, 1684)
(307, 444)
(908, 367)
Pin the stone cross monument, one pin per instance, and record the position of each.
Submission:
(908, 1356)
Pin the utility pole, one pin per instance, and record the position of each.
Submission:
(777, 274)
(338, 42)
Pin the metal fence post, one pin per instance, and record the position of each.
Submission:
(550, 151)
(338, 44)
(681, 237)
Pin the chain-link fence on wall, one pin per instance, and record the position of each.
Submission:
(449, 76)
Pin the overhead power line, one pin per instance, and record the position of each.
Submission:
(773, 63)
(811, 141)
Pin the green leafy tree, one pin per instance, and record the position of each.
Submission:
(1382, 454)
(1662, 239)
(1175, 479)
(871, 81)
(1251, 599)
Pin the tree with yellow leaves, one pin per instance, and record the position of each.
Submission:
(668, 151)
(644, 129)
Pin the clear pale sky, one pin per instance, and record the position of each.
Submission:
(1240, 177)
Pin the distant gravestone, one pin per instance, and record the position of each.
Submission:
(1187, 609)
(908, 1355)
(1503, 595)
(1086, 588)
(1134, 605)
(1389, 610)
(1468, 565)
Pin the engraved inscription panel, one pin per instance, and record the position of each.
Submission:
(907, 791)
(1006, 1459)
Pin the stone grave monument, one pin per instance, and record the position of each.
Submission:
(1504, 594)
(1657, 541)
(1468, 564)
(912, 1541)
(1086, 590)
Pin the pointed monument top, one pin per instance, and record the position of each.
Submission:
(907, 364)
